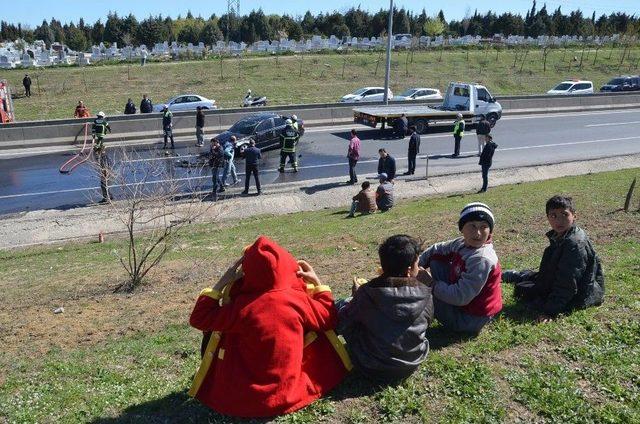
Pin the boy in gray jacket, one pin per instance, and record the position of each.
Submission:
(385, 322)
(570, 274)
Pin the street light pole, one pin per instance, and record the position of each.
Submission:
(388, 71)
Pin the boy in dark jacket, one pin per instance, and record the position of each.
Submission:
(570, 275)
(385, 322)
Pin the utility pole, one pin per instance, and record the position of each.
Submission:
(388, 71)
(233, 9)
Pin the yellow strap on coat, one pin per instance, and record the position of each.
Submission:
(207, 359)
(339, 348)
(309, 338)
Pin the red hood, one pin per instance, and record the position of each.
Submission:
(267, 266)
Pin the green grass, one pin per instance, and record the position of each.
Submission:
(306, 79)
(579, 368)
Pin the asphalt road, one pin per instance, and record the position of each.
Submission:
(34, 182)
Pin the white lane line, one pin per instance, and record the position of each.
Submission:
(612, 123)
(565, 114)
(540, 146)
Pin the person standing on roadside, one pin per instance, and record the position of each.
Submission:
(26, 82)
(216, 161)
(251, 157)
(81, 111)
(402, 125)
(353, 154)
(145, 105)
(458, 133)
(414, 149)
(129, 108)
(229, 167)
(482, 132)
(199, 126)
(486, 158)
(167, 126)
(289, 140)
(99, 132)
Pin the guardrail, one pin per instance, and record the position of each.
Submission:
(67, 132)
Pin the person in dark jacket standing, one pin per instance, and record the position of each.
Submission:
(570, 274)
(251, 157)
(167, 127)
(386, 164)
(145, 105)
(216, 161)
(402, 124)
(129, 108)
(353, 155)
(414, 149)
(458, 133)
(199, 126)
(482, 132)
(385, 322)
(486, 159)
(26, 82)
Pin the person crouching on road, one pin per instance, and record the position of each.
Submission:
(216, 161)
(167, 126)
(99, 131)
(458, 133)
(466, 273)
(289, 139)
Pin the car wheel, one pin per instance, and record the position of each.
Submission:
(422, 126)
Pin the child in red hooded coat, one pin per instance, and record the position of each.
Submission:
(273, 349)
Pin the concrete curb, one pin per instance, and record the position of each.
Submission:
(55, 226)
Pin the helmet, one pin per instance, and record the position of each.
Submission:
(459, 115)
(249, 91)
(101, 114)
(165, 107)
(294, 118)
(288, 122)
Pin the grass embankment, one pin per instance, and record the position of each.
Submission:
(129, 358)
(313, 78)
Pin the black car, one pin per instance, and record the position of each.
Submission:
(623, 83)
(265, 128)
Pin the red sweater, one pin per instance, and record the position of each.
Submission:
(273, 355)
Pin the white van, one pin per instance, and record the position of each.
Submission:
(572, 87)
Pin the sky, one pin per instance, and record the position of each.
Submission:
(32, 12)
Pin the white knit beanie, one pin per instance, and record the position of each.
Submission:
(476, 212)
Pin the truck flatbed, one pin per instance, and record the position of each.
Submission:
(409, 111)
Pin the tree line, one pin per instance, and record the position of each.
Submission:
(354, 23)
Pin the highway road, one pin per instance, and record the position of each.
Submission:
(34, 182)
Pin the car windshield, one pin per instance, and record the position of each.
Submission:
(358, 92)
(616, 81)
(245, 126)
(564, 86)
(409, 92)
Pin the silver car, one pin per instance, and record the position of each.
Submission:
(366, 94)
(419, 94)
(186, 102)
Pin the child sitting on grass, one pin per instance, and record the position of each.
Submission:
(570, 274)
(272, 350)
(385, 322)
(466, 273)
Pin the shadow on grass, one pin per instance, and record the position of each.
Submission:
(177, 407)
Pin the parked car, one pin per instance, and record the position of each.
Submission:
(366, 94)
(622, 83)
(265, 128)
(572, 87)
(186, 102)
(419, 94)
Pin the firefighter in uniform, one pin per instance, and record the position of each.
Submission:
(294, 120)
(458, 133)
(289, 139)
(99, 131)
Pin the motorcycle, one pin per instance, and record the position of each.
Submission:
(254, 101)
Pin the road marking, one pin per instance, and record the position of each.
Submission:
(269, 171)
(612, 123)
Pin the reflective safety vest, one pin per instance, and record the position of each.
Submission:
(289, 138)
(458, 128)
(100, 127)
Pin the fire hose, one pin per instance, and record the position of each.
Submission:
(81, 157)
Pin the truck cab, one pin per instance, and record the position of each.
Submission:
(472, 98)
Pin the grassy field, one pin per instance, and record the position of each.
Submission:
(129, 358)
(308, 78)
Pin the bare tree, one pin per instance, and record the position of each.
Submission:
(154, 206)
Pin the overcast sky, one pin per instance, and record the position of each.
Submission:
(32, 12)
